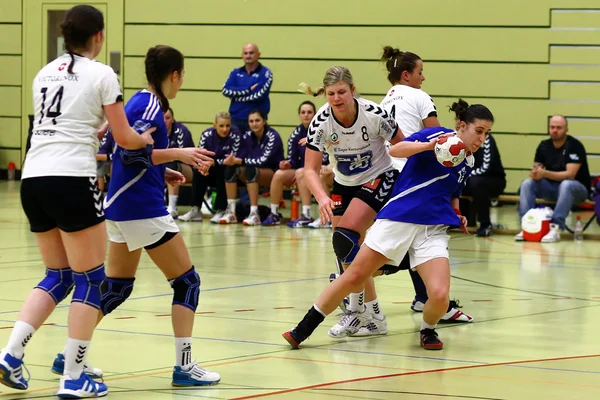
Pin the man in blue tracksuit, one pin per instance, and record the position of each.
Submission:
(248, 88)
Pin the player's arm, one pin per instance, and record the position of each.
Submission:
(411, 146)
(231, 90)
(431, 122)
(560, 176)
(262, 89)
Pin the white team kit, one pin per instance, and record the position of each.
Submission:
(409, 107)
(68, 114)
(358, 153)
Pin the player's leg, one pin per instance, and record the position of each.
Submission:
(171, 256)
(281, 178)
(231, 174)
(306, 198)
(255, 178)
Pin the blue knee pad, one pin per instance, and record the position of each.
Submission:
(186, 289)
(345, 244)
(251, 173)
(114, 292)
(87, 286)
(58, 283)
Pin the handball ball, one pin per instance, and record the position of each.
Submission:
(450, 150)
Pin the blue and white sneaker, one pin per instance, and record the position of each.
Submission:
(11, 371)
(58, 367)
(272, 220)
(194, 375)
(344, 304)
(80, 388)
(301, 222)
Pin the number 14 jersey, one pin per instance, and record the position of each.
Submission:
(358, 153)
(67, 114)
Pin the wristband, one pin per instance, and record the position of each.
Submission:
(457, 211)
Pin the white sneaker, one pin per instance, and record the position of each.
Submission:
(172, 212)
(193, 215)
(553, 235)
(373, 327)
(349, 324)
(217, 217)
(252, 220)
(194, 376)
(316, 224)
(519, 237)
(228, 218)
(205, 209)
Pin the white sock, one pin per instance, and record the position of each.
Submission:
(357, 302)
(19, 337)
(274, 208)
(306, 211)
(183, 351)
(319, 310)
(75, 355)
(231, 205)
(374, 310)
(425, 325)
(173, 201)
(253, 209)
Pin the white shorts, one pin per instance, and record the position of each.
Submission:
(140, 233)
(422, 242)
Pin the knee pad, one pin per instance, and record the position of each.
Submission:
(186, 289)
(114, 292)
(345, 244)
(58, 283)
(87, 287)
(231, 173)
(251, 173)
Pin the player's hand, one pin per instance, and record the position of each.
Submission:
(102, 131)
(433, 142)
(174, 178)
(147, 135)
(285, 164)
(326, 207)
(302, 142)
(199, 158)
(463, 224)
(253, 87)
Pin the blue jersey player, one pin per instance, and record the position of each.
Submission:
(423, 205)
(138, 218)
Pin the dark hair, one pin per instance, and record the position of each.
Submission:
(469, 113)
(81, 23)
(397, 62)
(262, 115)
(307, 102)
(172, 113)
(162, 61)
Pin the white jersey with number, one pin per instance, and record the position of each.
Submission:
(67, 114)
(358, 153)
(409, 107)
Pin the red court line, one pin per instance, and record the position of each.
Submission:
(282, 308)
(245, 310)
(482, 300)
(428, 371)
(561, 298)
(125, 317)
(205, 312)
(521, 299)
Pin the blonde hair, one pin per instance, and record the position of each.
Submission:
(332, 76)
(222, 115)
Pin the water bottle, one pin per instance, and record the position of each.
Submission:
(578, 230)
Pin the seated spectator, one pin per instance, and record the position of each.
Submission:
(487, 180)
(291, 169)
(179, 137)
(221, 140)
(260, 153)
(560, 173)
(326, 175)
(103, 159)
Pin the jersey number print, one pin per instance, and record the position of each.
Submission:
(54, 104)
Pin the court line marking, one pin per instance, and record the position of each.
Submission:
(370, 378)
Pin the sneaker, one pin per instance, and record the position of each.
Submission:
(373, 327)
(344, 304)
(301, 222)
(484, 230)
(349, 324)
(172, 212)
(11, 371)
(553, 235)
(430, 341)
(316, 224)
(193, 215)
(194, 375)
(272, 220)
(519, 237)
(454, 314)
(80, 388)
(228, 218)
(58, 367)
(205, 210)
(292, 339)
(217, 217)
(252, 220)
(417, 305)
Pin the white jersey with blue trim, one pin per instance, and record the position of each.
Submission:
(358, 153)
(136, 192)
(423, 191)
